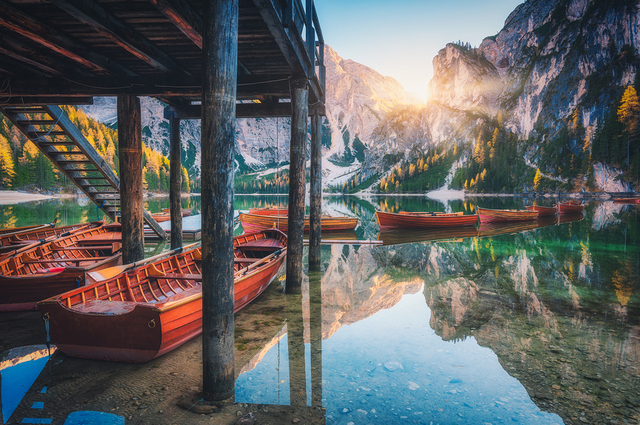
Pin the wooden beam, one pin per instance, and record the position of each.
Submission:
(220, 70)
(297, 183)
(175, 183)
(182, 16)
(131, 190)
(249, 86)
(21, 23)
(31, 101)
(36, 58)
(91, 13)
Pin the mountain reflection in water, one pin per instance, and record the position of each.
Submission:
(534, 323)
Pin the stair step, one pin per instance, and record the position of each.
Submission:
(106, 196)
(72, 161)
(61, 143)
(89, 178)
(35, 122)
(25, 110)
(98, 185)
(47, 133)
(68, 153)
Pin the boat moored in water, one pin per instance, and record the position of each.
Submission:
(147, 311)
(571, 207)
(42, 270)
(255, 222)
(422, 220)
(543, 211)
(490, 215)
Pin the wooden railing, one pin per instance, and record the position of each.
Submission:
(303, 19)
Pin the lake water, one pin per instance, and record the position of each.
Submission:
(536, 323)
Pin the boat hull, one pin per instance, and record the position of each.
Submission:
(543, 211)
(626, 200)
(490, 215)
(255, 222)
(388, 220)
(110, 327)
(570, 208)
(46, 270)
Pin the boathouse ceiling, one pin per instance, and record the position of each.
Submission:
(67, 51)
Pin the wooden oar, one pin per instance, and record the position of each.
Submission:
(44, 226)
(345, 242)
(115, 270)
(278, 253)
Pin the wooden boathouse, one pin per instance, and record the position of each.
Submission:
(215, 60)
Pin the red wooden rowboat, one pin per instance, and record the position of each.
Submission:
(626, 200)
(148, 311)
(421, 220)
(488, 215)
(255, 222)
(543, 211)
(42, 270)
(572, 207)
(10, 241)
(165, 215)
(269, 211)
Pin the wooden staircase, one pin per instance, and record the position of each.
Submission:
(51, 130)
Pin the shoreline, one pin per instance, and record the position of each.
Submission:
(19, 197)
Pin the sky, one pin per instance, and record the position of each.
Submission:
(400, 38)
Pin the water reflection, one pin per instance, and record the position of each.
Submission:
(534, 323)
(19, 368)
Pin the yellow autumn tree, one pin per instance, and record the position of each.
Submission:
(536, 180)
(628, 114)
(7, 166)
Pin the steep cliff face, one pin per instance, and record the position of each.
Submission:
(556, 57)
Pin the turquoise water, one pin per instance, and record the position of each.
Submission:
(534, 323)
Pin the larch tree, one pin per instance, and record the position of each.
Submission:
(628, 114)
(7, 165)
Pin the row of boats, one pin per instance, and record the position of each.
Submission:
(96, 307)
(266, 218)
(424, 220)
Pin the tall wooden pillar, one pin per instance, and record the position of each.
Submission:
(295, 345)
(315, 336)
(175, 183)
(297, 181)
(220, 56)
(315, 195)
(131, 190)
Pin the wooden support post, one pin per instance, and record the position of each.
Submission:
(315, 336)
(315, 195)
(297, 154)
(175, 183)
(219, 85)
(130, 161)
(295, 343)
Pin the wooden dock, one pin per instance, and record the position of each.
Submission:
(191, 229)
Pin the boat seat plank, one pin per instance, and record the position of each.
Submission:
(105, 307)
(177, 276)
(65, 260)
(83, 248)
(245, 260)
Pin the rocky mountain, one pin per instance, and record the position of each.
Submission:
(358, 98)
(557, 65)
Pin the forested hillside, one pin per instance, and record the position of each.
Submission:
(23, 166)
